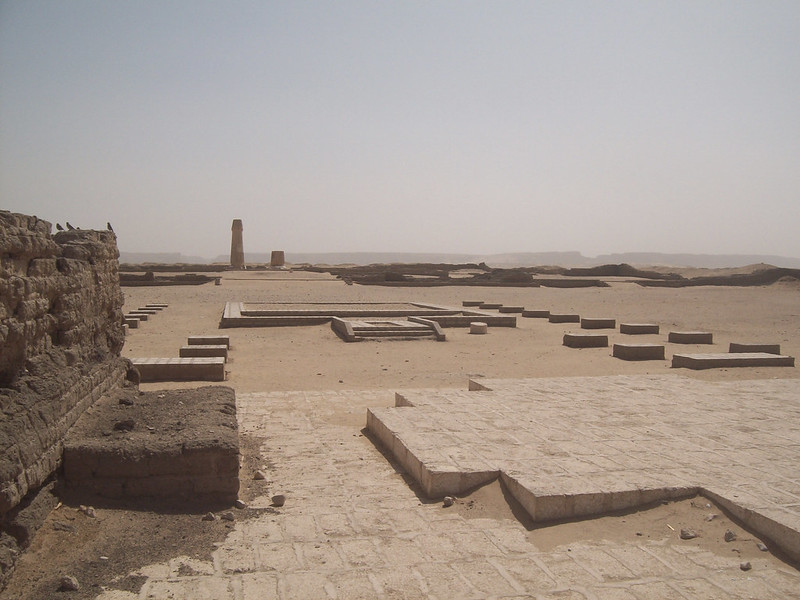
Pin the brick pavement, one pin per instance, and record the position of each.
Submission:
(353, 527)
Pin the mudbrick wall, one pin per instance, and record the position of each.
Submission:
(61, 335)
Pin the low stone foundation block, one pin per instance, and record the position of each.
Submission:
(148, 311)
(132, 322)
(472, 303)
(478, 328)
(691, 337)
(180, 369)
(639, 351)
(511, 309)
(598, 323)
(203, 350)
(139, 315)
(206, 340)
(490, 305)
(638, 328)
(723, 360)
(768, 348)
(536, 314)
(585, 340)
(564, 318)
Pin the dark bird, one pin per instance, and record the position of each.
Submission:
(59, 227)
(70, 227)
(108, 226)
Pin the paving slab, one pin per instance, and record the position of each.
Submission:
(656, 437)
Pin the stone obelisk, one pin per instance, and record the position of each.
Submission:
(237, 246)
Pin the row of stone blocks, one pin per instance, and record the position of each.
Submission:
(202, 359)
(143, 313)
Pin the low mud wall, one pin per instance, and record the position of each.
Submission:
(61, 335)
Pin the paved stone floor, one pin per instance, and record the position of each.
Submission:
(354, 527)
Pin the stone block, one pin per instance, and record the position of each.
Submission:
(564, 318)
(511, 309)
(204, 340)
(729, 360)
(138, 315)
(536, 314)
(490, 305)
(598, 323)
(180, 369)
(691, 337)
(638, 328)
(768, 348)
(277, 258)
(132, 322)
(479, 328)
(585, 340)
(472, 302)
(203, 350)
(639, 351)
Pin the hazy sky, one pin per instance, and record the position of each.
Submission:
(477, 127)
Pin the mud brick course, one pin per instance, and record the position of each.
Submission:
(175, 444)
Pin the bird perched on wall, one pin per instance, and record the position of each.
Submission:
(108, 226)
(59, 227)
(70, 227)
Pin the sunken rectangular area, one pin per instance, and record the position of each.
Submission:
(577, 447)
(277, 314)
(168, 444)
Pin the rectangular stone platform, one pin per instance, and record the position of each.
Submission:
(598, 323)
(564, 318)
(205, 340)
(511, 309)
(180, 369)
(768, 348)
(728, 360)
(638, 328)
(639, 351)
(536, 314)
(585, 340)
(197, 350)
(691, 337)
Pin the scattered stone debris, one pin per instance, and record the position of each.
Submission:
(448, 501)
(688, 534)
(745, 566)
(278, 500)
(259, 476)
(210, 516)
(711, 516)
(126, 401)
(762, 546)
(60, 526)
(240, 504)
(730, 536)
(88, 511)
(68, 584)
(125, 425)
(227, 516)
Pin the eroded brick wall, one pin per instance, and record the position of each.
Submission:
(60, 340)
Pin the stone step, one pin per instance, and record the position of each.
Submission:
(598, 323)
(157, 305)
(205, 340)
(639, 351)
(137, 315)
(638, 328)
(180, 369)
(132, 322)
(204, 350)
(149, 311)
(586, 340)
(768, 348)
(727, 360)
(691, 337)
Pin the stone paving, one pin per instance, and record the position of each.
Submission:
(353, 526)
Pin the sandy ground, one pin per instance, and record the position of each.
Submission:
(314, 358)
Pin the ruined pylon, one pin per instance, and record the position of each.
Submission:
(237, 246)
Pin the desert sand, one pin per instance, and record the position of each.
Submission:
(313, 359)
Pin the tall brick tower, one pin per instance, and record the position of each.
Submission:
(237, 245)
